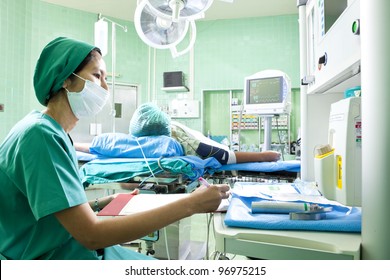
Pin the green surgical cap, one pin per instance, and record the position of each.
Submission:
(58, 60)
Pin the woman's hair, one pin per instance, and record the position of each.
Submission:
(86, 60)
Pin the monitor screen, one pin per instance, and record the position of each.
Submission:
(265, 90)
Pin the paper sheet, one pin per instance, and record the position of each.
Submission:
(143, 202)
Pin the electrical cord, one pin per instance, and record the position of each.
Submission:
(216, 255)
(152, 174)
(278, 131)
(166, 244)
(143, 154)
(239, 125)
(209, 218)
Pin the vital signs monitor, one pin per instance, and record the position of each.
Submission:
(267, 93)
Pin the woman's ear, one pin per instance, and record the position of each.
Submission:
(66, 83)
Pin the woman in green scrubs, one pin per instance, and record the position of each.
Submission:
(45, 213)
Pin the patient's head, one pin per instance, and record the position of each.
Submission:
(149, 120)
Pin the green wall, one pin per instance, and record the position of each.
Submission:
(26, 26)
(225, 52)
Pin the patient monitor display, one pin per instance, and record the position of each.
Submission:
(265, 90)
(267, 93)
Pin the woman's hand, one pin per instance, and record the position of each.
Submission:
(207, 199)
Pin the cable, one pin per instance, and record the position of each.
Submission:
(151, 171)
(209, 218)
(216, 255)
(278, 131)
(143, 154)
(239, 125)
(166, 243)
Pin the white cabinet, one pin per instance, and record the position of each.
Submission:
(330, 64)
(333, 43)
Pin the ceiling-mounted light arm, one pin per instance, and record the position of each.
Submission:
(158, 30)
(176, 6)
(180, 9)
(173, 49)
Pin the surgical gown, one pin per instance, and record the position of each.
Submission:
(39, 177)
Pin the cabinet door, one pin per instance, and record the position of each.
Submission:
(216, 112)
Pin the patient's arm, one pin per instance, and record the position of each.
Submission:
(257, 156)
(82, 147)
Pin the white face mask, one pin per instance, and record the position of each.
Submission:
(89, 101)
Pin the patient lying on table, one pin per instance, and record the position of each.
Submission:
(149, 120)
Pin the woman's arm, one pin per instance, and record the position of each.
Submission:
(83, 224)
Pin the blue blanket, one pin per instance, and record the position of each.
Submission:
(120, 145)
(239, 214)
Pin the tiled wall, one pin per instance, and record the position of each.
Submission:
(26, 26)
(225, 52)
(14, 56)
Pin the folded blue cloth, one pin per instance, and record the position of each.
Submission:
(239, 214)
(288, 165)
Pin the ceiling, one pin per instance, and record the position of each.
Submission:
(220, 9)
